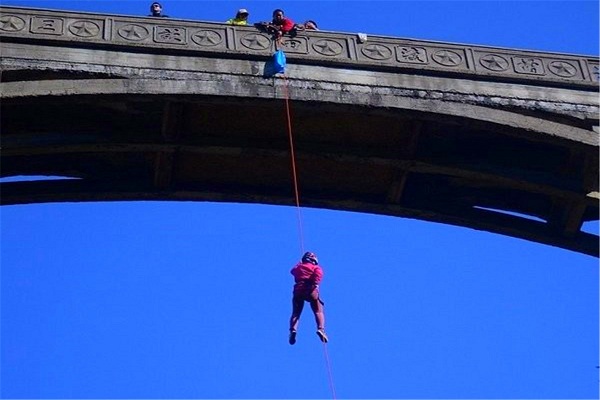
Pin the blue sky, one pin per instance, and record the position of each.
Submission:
(192, 300)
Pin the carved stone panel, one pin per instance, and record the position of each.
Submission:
(564, 68)
(411, 55)
(132, 33)
(450, 58)
(494, 62)
(11, 23)
(594, 70)
(208, 38)
(170, 35)
(86, 28)
(47, 25)
(256, 41)
(330, 48)
(519, 63)
(377, 51)
(119, 32)
(296, 45)
(528, 65)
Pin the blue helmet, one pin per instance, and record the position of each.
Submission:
(309, 257)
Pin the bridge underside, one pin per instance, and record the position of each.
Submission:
(397, 162)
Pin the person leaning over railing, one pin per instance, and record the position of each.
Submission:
(279, 26)
(308, 25)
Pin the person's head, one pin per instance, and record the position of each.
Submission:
(309, 257)
(278, 15)
(242, 14)
(311, 25)
(156, 8)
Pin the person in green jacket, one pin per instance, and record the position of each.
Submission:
(241, 18)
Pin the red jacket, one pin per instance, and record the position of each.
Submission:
(306, 276)
(286, 25)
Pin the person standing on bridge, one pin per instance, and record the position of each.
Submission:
(241, 18)
(307, 277)
(156, 10)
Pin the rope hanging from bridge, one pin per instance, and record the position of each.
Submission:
(293, 158)
(286, 94)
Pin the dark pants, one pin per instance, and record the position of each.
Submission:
(298, 305)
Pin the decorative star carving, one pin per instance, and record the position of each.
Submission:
(207, 38)
(256, 42)
(11, 23)
(447, 57)
(84, 28)
(494, 62)
(377, 51)
(562, 68)
(133, 32)
(327, 47)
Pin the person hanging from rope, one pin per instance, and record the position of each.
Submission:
(307, 277)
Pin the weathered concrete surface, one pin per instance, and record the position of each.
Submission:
(151, 120)
(152, 35)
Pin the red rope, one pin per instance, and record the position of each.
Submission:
(297, 195)
(293, 156)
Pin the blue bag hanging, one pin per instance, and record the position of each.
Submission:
(279, 61)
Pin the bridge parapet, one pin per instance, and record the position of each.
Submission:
(177, 36)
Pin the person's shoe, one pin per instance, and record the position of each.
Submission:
(322, 335)
(292, 339)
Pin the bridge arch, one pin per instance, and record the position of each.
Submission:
(419, 102)
(462, 148)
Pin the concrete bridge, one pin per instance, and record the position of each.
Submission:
(130, 108)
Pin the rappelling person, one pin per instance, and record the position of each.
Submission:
(307, 277)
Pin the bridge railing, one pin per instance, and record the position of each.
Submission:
(313, 47)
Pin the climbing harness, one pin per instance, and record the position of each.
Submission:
(279, 57)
